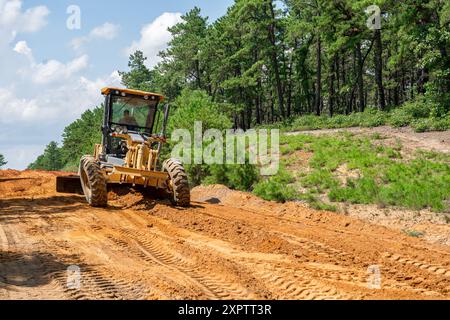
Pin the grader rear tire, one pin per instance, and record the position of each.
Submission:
(93, 182)
(179, 185)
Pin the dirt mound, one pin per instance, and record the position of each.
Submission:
(9, 173)
(27, 183)
(222, 195)
(227, 245)
(136, 198)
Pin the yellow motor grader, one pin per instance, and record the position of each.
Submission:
(129, 151)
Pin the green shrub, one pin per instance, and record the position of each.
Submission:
(411, 113)
(422, 125)
(276, 188)
(239, 177)
(197, 105)
(442, 124)
(322, 179)
(421, 114)
(378, 178)
(419, 108)
(414, 233)
(400, 118)
(372, 117)
(417, 184)
(319, 205)
(431, 124)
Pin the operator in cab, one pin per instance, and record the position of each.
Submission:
(128, 119)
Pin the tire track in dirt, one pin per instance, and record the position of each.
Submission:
(320, 252)
(433, 268)
(243, 248)
(96, 284)
(214, 283)
(3, 239)
(280, 286)
(179, 275)
(296, 288)
(160, 245)
(290, 288)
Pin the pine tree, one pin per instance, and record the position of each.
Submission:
(2, 160)
(139, 77)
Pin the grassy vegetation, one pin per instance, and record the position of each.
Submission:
(420, 115)
(276, 188)
(356, 170)
(414, 233)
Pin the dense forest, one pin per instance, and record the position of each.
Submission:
(310, 57)
(294, 64)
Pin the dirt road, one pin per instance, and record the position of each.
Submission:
(228, 245)
(432, 141)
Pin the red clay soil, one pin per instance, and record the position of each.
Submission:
(227, 245)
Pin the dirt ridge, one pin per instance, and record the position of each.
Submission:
(227, 245)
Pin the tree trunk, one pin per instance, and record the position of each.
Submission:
(258, 109)
(272, 110)
(275, 65)
(197, 71)
(344, 81)
(318, 98)
(331, 93)
(338, 82)
(289, 91)
(423, 78)
(362, 104)
(379, 70)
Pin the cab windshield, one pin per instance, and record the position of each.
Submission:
(136, 113)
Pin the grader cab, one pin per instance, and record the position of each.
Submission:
(129, 151)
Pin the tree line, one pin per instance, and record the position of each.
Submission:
(307, 57)
(79, 139)
(263, 63)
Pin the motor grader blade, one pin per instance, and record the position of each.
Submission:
(69, 184)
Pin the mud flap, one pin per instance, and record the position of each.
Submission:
(69, 184)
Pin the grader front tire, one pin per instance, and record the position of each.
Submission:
(93, 182)
(179, 185)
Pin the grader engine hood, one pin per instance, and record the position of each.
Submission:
(136, 138)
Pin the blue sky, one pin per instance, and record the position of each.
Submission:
(130, 15)
(50, 74)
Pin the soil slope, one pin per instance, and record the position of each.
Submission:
(227, 245)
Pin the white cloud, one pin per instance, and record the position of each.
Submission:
(154, 37)
(54, 70)
(22, 48)
(107, 31)
(13, 20)
(20, 156)
(15, 109)
(50, 71)
(31, 123)
(64, 101)
(42, 101)
(34, 19)
(38, 99)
